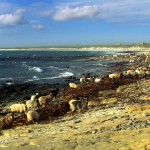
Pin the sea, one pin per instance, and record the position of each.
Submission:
(21, 66)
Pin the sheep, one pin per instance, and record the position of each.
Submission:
(32, 116)
(140, 72)
(147, 72)
(6, 121)
(75, 105)
(131, 73)
(32, 104)
(115, 75)
(44, 100)
(115, 56)
(91, 79)
(82, 80)
(21, 108)
(73, 85)
(78, 105)
(35, 97)
(86, 79)
(97, 79)
(131, 60)
(55, 92)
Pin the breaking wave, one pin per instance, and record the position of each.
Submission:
(36, 69)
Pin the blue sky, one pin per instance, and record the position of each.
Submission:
(73, 22)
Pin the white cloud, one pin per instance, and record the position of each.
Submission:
(38, 27)
(76, 13)
(9, 20)
(110, 10)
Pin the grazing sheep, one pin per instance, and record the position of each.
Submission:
(73, 85)
(131, 60)
(32, 116)
(90, 79)
(115, 56)
(55, 92)
(78, 105)
(131, 73)
(147, 72)
(32, 105)
(115, 75)
(44, 100)
(82, 80)
(35, 97)
(18, 108)
(140, 72)
(6, 122)
(75, 105)
(97, 79)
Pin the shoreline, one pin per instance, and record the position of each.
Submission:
(78, 49)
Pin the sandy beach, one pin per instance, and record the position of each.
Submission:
(88, 48)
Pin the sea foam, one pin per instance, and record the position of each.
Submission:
(66, 74)
(37, 69)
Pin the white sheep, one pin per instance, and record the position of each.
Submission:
(97, 79)
(147, 72)
(6, 121)
(32, 116)
(18, 108)
(31, 104)
(44, 100)
(73, 85)
(115, 75)
(35, 97)
(140, 72)
(82, 80)
(131, 73)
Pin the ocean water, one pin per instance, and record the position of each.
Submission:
(49, 66)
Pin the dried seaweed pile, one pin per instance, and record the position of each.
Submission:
(53, 111)
(91, 90)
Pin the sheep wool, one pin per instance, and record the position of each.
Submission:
(73, 85)
(44, 100)
(75, 105)
(32, 116)
(18, 108)
(31, 104)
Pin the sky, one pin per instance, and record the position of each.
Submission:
(73, 22)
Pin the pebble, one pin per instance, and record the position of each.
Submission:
(94, 131)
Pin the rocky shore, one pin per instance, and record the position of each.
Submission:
(117, 117)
